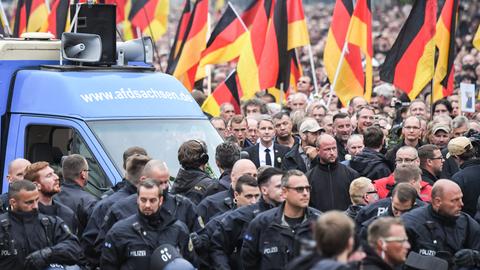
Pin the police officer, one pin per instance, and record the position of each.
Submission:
(177, 205)
(135, 165)
(246, 193)
(275, 237)
(131, 242)
(442, 229)
(192, 180)
(226, 241)
(221, 202)
(29, 240)
(226, 154)
(16, 171)
(48, 184)
(75, 176)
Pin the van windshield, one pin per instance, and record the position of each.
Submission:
(160, 137)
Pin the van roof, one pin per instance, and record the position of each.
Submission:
(96, 95)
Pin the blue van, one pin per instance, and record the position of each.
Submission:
(49, 111)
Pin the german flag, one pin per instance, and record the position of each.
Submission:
(181, 29)
(184, 67)
(445, 42)
(227, 91)
(57, 19)
(297, 25)
(350, 81)
(360, 35)
(226, 41)
(150, 16)
(120, 9)
(296, 70)
(409, 65)
(30, 16)
(476, 39)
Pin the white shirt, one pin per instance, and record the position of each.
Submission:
(262, 154)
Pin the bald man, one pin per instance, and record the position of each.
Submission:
(329, 179)
(16, 171)
(442, 229)
(223, 201)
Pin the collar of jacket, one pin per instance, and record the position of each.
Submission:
(71, 184)
(444, 220)
(280, 217)
(328, 167)
(129, 188)
(470, 163)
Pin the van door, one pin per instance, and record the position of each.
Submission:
(50, 139)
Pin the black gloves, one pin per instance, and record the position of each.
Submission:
(38, 259)
(467, 257)
(196, 240)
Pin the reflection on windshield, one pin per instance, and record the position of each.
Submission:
(161, 138)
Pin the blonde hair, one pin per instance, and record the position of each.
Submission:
(358, 188)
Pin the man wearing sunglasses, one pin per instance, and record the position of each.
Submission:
(275, 237)
(387, 244)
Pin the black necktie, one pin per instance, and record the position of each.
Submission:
(268, 158)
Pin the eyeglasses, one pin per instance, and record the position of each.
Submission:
(405, 160)
(411, 127)
(300, 189)
(371, 192)
(396, 239)
(86, 170)
(436, 158)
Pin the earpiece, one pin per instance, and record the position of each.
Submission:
(203, 156)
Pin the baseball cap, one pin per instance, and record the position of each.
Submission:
(439, 127)
(458, 146)
(310, 125)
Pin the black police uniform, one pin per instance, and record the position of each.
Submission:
(80, 201)
(223, 183)
(270, 243)
(226, 241)
(175, 205)
(61, 211)
(431, 234)
(96, 220)
(131, 242)
(191, 183)
(215, 205)
(23, 234)
(4, 203)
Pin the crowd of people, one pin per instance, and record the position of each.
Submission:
(385, 183)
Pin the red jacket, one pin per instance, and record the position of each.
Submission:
(384, 185)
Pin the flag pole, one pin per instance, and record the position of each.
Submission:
(337, 72)
(5, 20)
(312, 63)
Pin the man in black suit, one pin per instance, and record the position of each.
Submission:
(266, 152)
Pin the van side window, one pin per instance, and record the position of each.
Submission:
(51, 143)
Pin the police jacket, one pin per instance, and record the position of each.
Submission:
(131, 242)
(61, 211)
(223, 183)
(378, 208)
(191, 183)
(330, 186)
(467, 179)
(4, 203)
(430, 233)
(353, 210)
(24, 233)
(270, 243)
(80, 201)
(175, 205)
(371, 164)
(226, 241)
(96, 220)
(372, 261)
(216, 204)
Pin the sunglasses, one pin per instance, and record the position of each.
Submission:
(300, 189)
